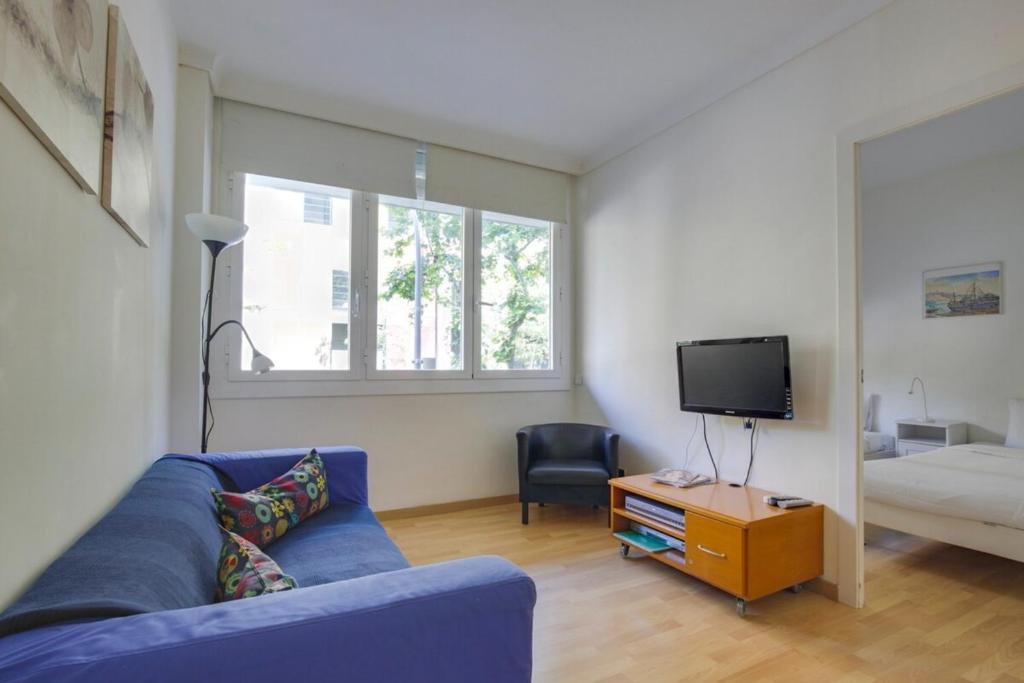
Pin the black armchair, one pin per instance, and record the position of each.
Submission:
(566, 463)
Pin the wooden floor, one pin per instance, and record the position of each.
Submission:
(934, 612)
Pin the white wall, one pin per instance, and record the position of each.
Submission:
(84, 316)
(193, 174)
(424, 449)
(725, 225)
(973, 213)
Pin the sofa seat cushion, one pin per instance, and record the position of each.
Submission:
(344, 541)
(568, 472)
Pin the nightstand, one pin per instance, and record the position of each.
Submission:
(915, 436)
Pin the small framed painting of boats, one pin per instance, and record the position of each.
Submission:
(968, 290)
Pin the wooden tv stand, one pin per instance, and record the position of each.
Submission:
(734, 541)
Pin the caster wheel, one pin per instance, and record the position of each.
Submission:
(741, 607)
(624, 550)
(797, 588)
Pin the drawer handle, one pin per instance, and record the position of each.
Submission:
(709, 551)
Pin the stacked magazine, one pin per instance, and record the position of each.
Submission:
(683, 479)
(648, 539)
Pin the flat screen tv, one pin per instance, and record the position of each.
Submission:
(743, 377)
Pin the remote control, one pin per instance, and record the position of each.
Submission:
(795, 503)
(774, 500)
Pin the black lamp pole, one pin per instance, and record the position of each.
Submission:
(215, 249)
(217, 233)
(261, 363)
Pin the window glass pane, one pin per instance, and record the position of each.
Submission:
(339, 290)
(295, 279)
(515, 287)
(317, 209)
(420, 276)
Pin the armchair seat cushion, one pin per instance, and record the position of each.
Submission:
(568, 472)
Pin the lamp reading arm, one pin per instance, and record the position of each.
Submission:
(924, 396)
(261, 364)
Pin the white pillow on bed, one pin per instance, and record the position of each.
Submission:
(1015, 434)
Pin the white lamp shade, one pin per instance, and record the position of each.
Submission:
(260, 364)
(212, 228)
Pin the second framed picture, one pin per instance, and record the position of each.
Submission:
(963, 291)
(127, 134)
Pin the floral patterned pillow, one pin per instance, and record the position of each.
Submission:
(264, 514)
(244, 571)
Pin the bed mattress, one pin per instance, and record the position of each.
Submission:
(980, 482)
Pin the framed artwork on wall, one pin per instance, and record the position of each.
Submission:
(128, 134)
(52, 70)
(967, 290)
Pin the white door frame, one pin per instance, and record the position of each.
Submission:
(849, 405)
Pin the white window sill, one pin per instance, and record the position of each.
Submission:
(267, 387)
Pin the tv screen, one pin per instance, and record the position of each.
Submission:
(743, 377)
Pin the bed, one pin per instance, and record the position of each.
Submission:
(970, 495)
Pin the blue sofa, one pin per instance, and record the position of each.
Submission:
(132, 599)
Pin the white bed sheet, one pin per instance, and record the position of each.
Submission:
(981, 482)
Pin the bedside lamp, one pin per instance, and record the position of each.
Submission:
(923, 396)
(218, 233)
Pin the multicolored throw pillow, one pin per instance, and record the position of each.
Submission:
(244, 571)
(264, 514)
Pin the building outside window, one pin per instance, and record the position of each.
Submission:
(290, 297)
(340, 287)
(316, 208)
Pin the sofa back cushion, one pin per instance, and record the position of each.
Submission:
(157, 549)
(567, 441)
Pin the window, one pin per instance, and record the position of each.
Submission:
(290, 294)
(515, 293)
(459, 299)
(420, 283)
(316, 208)
(339, 290)
(339, 337)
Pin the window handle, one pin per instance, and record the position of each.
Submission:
(355, 306)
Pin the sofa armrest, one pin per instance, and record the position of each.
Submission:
(467, 620)
(346, 468)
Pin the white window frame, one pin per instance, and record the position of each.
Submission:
(235, 263)
(556, 297)
(362, 377)
(372, 272)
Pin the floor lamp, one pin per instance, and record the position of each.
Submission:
(218, 233)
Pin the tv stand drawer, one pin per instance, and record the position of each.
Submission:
(715, 553)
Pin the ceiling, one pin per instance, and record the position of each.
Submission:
(995, 126)
(563, 84)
